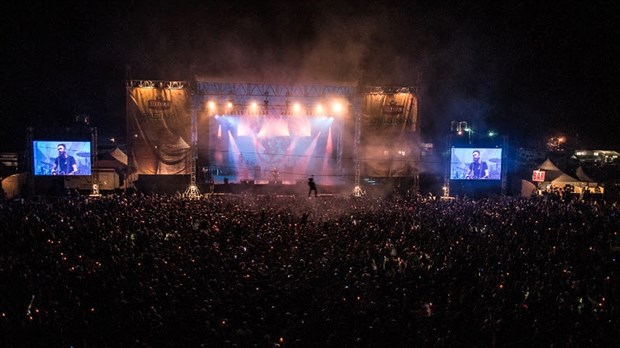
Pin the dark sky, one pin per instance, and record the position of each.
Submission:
(526, 69)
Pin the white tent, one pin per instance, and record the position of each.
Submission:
(112, 159)
(551, 170)
(565, 179)
(549, 166)
(119, 155)
(527, 188)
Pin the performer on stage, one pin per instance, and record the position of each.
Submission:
(206, 173)
(312, 187)
(64, 164)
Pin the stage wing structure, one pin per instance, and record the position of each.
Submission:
(159, 127)
(389, 137)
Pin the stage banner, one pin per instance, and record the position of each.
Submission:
(158, 130)
(389, 135)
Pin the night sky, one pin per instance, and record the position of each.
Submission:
(528, 70)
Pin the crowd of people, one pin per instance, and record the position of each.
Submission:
(267, 271)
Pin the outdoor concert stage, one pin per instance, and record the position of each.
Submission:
(262, 137)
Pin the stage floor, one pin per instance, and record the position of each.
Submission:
(267, 188)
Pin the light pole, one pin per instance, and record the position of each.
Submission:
(460, 127)
(561, 140)
(555, 143)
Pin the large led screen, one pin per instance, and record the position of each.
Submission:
(61, 157)
(472, 163)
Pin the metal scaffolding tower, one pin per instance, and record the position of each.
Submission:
(192, 190)
(357, 115)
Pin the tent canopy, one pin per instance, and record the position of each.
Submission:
(565, 179)
(112, 159)
(547, 165)
(119, 155)
(552, 172)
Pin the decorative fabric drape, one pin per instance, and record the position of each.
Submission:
(159, 131)
(389, 141)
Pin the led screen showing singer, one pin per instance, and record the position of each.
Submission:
(475, 163)
(61, 157)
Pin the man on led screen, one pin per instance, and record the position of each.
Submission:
(64, 164)
(477, 169)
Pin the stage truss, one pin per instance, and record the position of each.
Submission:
(276, 100)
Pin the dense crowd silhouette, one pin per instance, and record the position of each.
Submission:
(263, 271)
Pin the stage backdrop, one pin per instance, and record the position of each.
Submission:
(389, 136)
(158, 129)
